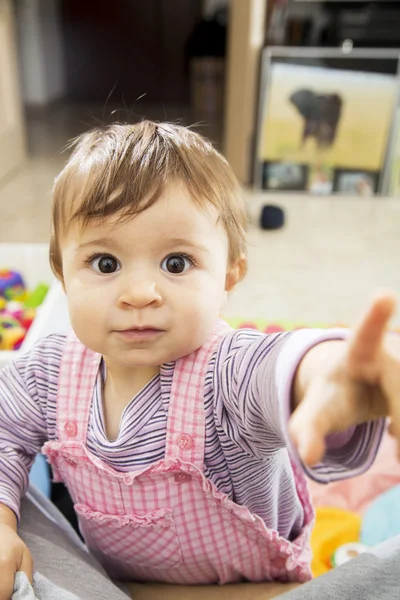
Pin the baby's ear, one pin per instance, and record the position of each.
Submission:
(235, 273)
(55, 261)
(60, 276)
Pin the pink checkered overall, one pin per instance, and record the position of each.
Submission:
(166, 522)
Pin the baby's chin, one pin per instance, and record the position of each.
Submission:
(165, 350)
(149, 357)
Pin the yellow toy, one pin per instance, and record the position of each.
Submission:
(11, 333)
(334, 527)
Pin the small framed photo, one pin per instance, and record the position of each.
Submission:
(357, 183)
(329, 114)
(284, 176)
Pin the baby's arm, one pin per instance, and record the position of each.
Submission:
(340, 385)
(254, 382)
(22, 430)
(22, 433)
(14, 554)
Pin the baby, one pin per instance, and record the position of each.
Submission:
(171, 430)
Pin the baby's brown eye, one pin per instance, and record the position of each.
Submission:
(176, 264)
(105, 264)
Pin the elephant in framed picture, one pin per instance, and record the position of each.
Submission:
(321, 114)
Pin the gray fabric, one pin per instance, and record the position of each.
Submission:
(63, 567)
(65, 571)
(373, 575)
(42, 589)
(22, 588)
(47, 590)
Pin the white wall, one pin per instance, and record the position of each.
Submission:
(41, 60)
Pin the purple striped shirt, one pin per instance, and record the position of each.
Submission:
(247, 402)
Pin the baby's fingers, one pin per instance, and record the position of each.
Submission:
(366, 342)
(311, 422)
(390, 381)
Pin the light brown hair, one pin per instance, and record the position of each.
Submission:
(123, 169)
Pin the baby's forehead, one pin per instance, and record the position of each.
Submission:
(175, 208)
(172, 219)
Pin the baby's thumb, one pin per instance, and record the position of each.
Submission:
(26, 564)
(9, 581)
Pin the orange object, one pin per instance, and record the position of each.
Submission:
(11, 339)
(333, 528)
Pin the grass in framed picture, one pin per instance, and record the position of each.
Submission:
(325, 127)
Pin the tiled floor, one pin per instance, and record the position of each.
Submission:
(323, 266)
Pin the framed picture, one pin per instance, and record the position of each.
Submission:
(284, 176)
(357, 183)
(330, 113)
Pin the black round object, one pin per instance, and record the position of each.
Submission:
(272, 217)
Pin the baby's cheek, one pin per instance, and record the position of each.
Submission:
(202, 317)
(85, 319)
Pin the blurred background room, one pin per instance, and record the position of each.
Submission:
(301, 97)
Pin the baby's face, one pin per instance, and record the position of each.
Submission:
(149, 290)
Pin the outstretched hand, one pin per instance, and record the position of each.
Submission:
(359, 381)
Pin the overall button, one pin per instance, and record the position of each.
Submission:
(182, 477)
(71, 428)
(184, 441)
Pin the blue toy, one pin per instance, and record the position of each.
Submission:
(39, 475)
(12, 286)
(382, 520)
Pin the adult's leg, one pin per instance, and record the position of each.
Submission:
(374, 574)
(62, 564)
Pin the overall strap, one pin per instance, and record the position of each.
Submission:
(77, 378)
(186, 415)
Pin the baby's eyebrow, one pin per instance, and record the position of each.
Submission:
(177, 241)
(98, 242)
(169, 242)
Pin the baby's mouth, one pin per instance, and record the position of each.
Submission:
(140, 333)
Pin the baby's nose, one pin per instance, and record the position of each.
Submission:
(140, 294)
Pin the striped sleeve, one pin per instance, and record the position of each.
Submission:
(254, 375)
(348, 454)
(24, 386)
